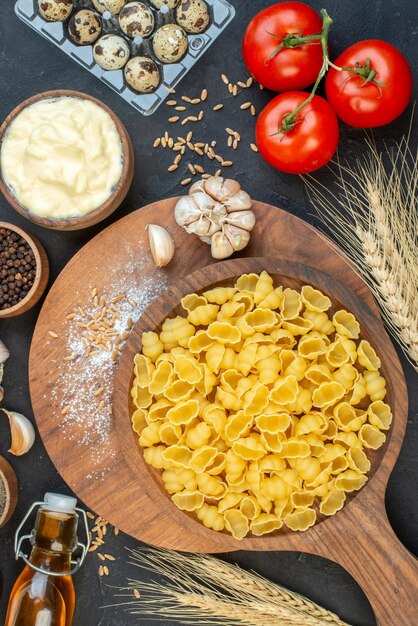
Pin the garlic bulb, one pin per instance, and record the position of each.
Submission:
(161, 245)
(22, 431)
(219, 212)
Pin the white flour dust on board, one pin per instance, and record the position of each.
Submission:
(95, 336)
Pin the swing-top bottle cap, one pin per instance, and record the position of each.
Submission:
(59, 503)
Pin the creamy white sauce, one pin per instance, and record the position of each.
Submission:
(61, 158)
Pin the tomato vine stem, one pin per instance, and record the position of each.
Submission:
(290, 120)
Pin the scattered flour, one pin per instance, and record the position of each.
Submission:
(84, 418)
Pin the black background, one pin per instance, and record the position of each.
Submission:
(28, 65)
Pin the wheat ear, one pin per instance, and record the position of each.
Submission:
(202, 589)
(371, 211)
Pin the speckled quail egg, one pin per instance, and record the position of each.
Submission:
(136, 19)
(111, 52)
(142, 74)
(160, 3)
(84, 27)
(193, 15)
(114, 6)
(55, 10)
(170, 43)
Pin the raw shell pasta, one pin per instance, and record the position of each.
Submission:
(143, 369)
(152, 347)
(192, 301)
(311, 346)
(187, 369)
(291, 304)
(285, 390)
(183, 412)
(154, 456)
(210, 517)
(314, 300)
(367, 357)
(371, 437)
(261, 320)
(332, 502)
(200, 342)
(327, 394)
(250, 507)
(350, 480)
(223, 332)
(320, 321)
(236, 523)
(380, 415)
(188, 500)
(258, 406)
(265, 523)
(139, 420)
(301, 519)
(247, 283)
(219, 295)
(249, 448)
(178, 391)
(263, 287)
(161, 377)
(346, 324)
(203, 315)
(375, 385)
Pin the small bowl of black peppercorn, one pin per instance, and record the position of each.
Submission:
(24, 270)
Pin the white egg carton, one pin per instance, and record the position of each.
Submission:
(221, 14)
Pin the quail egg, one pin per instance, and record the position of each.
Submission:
(84, 27)
(111, 52)
(170, 43)
(55, 10)
(142, 74)
(193, 15)
(160, 3)
(114, 6)
(136, 19)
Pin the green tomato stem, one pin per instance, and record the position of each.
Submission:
(289, 122)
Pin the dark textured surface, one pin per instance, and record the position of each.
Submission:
(28, 64)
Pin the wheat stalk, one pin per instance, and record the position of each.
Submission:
(203, 590)
(372, 214)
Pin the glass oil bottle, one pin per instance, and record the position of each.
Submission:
(43, 594)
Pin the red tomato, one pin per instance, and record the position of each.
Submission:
(290, 68)
(309, 145)
(372, 104)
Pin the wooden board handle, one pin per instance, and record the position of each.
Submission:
(386, 571)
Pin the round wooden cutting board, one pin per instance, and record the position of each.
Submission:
(90, 458)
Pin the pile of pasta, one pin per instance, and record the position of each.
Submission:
(258, 406)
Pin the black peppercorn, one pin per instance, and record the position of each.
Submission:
(17, 268)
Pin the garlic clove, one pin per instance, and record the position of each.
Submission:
(197, 186)
(1, 394)
(203, 227)
(221, 188)
(207, 205)
(1, 371)
(206, 239)
(237, 237)
(220, 246)
(241, 201)
(161, 245)
(22, 431)
(186, 211)
(4, 353)
(242, 219)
